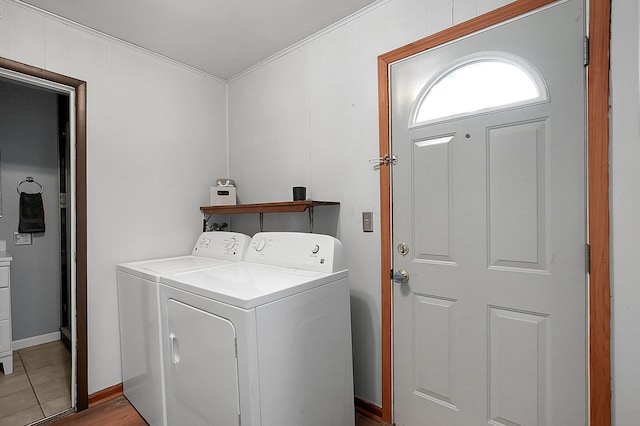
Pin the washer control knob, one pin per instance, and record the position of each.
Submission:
(231, 243)
(315, 249)
(260, 244)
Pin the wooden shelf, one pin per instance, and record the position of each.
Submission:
(279, 207)
(261, 208)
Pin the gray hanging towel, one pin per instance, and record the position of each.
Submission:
(31, 213)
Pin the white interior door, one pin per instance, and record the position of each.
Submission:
(490, 328)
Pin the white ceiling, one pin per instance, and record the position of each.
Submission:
(220, 37)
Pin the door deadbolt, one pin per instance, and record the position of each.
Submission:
(401, 276)
(403, 249)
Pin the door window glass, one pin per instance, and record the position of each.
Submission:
(479, 85)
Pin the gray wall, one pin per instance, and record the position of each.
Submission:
(29, 147)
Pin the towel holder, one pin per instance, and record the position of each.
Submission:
(29, 179)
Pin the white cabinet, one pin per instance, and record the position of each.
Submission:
(6, 355)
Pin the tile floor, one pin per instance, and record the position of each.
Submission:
(39, 386)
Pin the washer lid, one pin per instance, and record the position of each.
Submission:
(152, 269)
(212, 249)
(247, 285)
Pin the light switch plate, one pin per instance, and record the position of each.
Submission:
(21, 238)
(367, 221)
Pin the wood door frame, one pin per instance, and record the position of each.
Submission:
(599, 356)
(80, 87)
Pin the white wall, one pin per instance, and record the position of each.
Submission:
(625, 210)
(156, 140)
(310, 118)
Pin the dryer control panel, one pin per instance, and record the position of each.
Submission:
(221, 245)
(313, 252)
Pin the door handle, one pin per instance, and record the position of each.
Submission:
(175, 349)
(401, 276)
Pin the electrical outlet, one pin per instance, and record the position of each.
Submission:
(367, 221)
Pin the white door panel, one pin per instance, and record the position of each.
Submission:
(491, 326)
(202, 368)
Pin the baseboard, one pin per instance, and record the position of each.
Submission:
(105, 395)
(363, 407)
(368, 409)
(35, 340)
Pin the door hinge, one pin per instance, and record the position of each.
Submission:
(385, 160)
(586, 51)
(587, 258)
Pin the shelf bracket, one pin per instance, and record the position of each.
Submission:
(261, 221)
(310, 209)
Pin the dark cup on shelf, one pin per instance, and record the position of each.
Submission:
(299, 193)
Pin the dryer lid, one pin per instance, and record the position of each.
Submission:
(247, 285)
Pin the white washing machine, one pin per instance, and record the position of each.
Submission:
(138, 306)
(266, 341)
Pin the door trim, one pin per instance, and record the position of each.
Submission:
(80, 87)
(599, 374)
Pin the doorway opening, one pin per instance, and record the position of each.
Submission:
(71, 209)
(34, 123)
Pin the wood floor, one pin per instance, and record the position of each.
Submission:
(115, 412)
(118, 412)
(40, 387)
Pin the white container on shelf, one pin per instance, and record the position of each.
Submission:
(223, 196)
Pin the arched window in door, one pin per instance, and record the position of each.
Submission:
(478, 84)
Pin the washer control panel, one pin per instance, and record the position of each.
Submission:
(314, 252)
(221, 245)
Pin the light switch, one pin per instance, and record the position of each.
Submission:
(367, 221)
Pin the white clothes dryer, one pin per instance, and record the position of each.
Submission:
(266, 341)
(139, 315)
